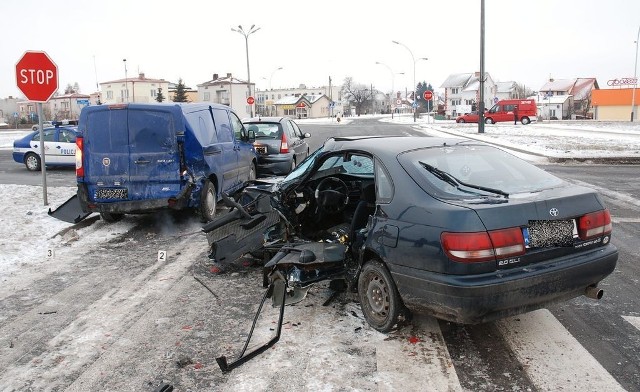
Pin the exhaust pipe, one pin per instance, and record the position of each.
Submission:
(593, 292)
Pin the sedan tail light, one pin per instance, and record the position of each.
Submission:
(79, 167)
(284, 145)
(595, 224)
(483, 245)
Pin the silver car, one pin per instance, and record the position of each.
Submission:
(280, 144)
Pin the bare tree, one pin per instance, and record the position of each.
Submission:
(70, 89)
(357, 94)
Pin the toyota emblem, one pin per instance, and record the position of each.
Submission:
(553, 212)
(106, 161)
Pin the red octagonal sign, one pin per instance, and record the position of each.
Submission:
(37, 76)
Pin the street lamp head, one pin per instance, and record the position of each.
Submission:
(396, 42)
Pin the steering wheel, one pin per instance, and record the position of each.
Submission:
(332, 195)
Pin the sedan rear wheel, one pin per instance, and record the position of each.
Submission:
(32, 162)
(379, 298)
(488, 120)
(461, 120)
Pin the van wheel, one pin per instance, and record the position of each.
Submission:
(208, 202)
(32, 162)
(111, 217)
(525, 120)
(379, 297)
(489, 120)
(252, 172)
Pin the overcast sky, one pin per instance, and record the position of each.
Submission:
(526, 42)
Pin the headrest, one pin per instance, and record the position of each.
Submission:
(369, 193)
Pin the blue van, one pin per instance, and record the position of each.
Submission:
(143, 157)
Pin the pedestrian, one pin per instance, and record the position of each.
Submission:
(515, 114)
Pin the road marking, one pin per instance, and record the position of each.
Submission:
(617, 219)
(635, 321)
(552, 357)
(417, 361)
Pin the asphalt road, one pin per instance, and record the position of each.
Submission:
(151, 323)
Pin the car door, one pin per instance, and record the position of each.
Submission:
(226, 148)
(51, 155)
(244, 149)
(66, 146)
(300, 147)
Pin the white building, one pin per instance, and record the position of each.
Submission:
(266, 100)
(462, 93)
(229, 91)
(128, 90)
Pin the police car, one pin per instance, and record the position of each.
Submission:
(59, 147)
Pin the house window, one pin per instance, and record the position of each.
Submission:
(207, 96)
(154, 93)
(468, 101)
(110, 94)
(455, 102)
(455, 90)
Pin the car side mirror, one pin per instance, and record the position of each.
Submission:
(306, 135)
(251, 136)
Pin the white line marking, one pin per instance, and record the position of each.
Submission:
(416, 365)
(552, 357)
(635, 321)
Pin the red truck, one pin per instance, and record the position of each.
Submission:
(523, 110)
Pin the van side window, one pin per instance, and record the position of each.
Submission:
(223, 128)
(238, 128)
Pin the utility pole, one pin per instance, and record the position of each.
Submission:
(481, 103)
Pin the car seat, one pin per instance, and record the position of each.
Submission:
(366, 206)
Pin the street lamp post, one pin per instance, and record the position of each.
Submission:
(415, 93)
(246, 35)
(271, 77)
(635, 82)
(393, 91)
(126, 81)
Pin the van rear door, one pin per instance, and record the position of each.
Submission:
(131, 153)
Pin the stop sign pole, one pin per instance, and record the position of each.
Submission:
(37, 78)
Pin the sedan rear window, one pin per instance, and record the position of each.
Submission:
(265, 130)
(471, 171)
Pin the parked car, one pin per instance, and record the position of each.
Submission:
(468, 118)
(59, 148)
(460, 230)
(45, 125)
(280, 144)
(140, 158)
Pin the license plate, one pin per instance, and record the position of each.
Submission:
(549, 233)
(112, 193)
(261, 150)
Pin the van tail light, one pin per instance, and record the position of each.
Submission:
(595, 224)
(284, 145)
(483, 245)
(79, 153)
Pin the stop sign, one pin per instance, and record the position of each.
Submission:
(427, 95)
(250, 100)
(37, 76)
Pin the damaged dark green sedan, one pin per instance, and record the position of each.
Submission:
(460, 230)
